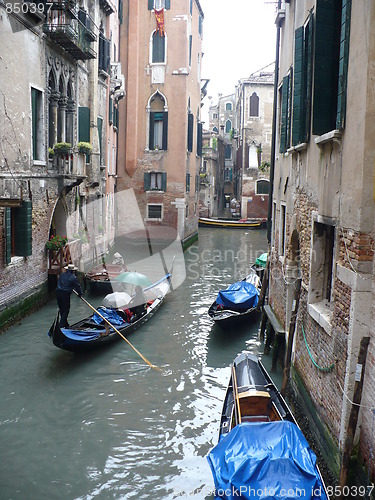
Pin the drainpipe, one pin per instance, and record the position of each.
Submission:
(273, 144)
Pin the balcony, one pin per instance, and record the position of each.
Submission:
(70, 33)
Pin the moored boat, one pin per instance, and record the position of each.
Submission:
(261, 447)
(237, 303)
(101, 278)
(93, 332)
(230, 223)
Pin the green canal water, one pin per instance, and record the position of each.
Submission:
(106, 426)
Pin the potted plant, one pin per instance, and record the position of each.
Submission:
(84, 148)
(62, 148)
(51, 153)
(56, 242)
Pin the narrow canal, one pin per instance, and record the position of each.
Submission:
(104, 425)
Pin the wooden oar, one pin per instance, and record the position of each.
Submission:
(237, 409)
(117, 331)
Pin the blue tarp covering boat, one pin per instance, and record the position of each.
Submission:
(271, 459)
(239, 295)
(110, 314)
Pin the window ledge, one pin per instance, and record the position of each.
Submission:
(321, 313)
(298, 148)
(155, 191)
(39, 163)
(333, 135)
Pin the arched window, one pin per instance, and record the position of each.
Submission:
(228, 126)
(216, 130)
(254, 105)
(263, 186)
(158, 124)
(158, 48)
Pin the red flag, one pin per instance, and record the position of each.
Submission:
(159, 14)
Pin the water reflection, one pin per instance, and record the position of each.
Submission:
(104, 425)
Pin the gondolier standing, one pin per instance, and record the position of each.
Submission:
(68, 282)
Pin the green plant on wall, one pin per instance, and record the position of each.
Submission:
(62, 147)
(84, 147)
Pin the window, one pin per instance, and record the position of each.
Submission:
(254, 104)
(190, 48)
(228, 106)
(200, 25)
(286, 93)
(321, 262)
(302, 83)
(263, 186)
(83, 124)
(100, 135)
(228, 152)
(199, 138)
(37, 124)
(190, 132)
(228, 126)
(18, 231)
(104, 58)
(332, 32)
(155, 211)
(282, 233)
(158, 123)
(159, 4)
(188, 183)
(155, 181)
(216, 130)
(158, 48)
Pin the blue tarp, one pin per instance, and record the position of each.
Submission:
(110, 314)
(270, 460)
(240, 295)
(82, 336)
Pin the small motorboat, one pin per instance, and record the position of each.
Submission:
(237, 303)
(230, 223)
(260, 444)
(93, 332)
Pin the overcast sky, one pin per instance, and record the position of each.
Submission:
(239, 38)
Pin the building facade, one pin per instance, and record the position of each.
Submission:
(254, 107)
(56, 88)
(160, 140)
(323, 212)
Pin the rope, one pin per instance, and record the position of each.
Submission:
(327, 369)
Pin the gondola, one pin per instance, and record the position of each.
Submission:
(237, 303)
(93, 333)
(230, 223)
(260, 444)
(100, 279)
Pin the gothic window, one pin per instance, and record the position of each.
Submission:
(158, 123)
(37, 124)
(228, 126)
(158, 48)
(254, 104)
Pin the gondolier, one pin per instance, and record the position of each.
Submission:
(68, 282)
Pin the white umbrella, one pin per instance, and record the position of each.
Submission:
(116, 299)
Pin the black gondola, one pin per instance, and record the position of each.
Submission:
(91, 333)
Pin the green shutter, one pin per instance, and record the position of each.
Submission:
(165, 131)
(150, 4)
(34, 113)
(308, 46)
(100, 135)
(167, 4)
(343, 63)
(151, 136)
(110, 110)
(327, 26)
(158, 47)
(298, 88)
(23, 229)
(190, 132)
(83, 124)
(199, 138)
(147, 181)
(188, 183)
(120, 10)
(164, 181)
(284, 114)
(8, 234)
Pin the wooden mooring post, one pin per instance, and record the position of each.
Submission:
(353, 418)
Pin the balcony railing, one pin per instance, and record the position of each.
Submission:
(70, 33)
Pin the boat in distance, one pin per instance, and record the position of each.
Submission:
(261, 447)
(237, 303)
(101, 278)
(230, 223)
(93, 332)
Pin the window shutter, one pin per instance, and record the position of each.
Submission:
(164, 181)
(158, 48)
(190, 48)
(308, 52)
(8, 235)
(83, 124)
(165, 131)
(199, 138)
(23, 229)
(190, 132)
(100, 135)
(147, 181)
(110, 110)
(151, 136)
(298, 98)
(188, 183)
(326, 65)
(343, 63)
(284, 114)
(167, 4)
(150, 4)
(34, 112)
